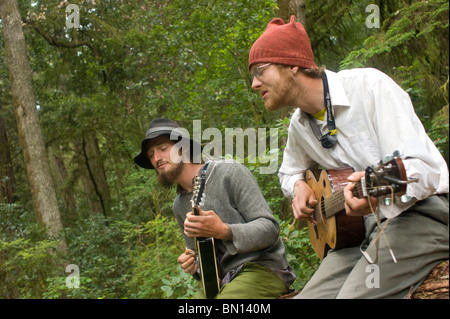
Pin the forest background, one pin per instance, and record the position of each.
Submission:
(96, 87)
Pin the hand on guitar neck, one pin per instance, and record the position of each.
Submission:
(355, 206)
(305, 199)
(207, 224)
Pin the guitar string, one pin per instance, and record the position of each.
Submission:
(338, 201)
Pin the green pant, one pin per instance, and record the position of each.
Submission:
(419, 240)
(253, 282)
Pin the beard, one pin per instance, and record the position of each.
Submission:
(278, 94)
(168, 177)
(281, 92)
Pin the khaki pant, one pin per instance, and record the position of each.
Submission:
(253, 282)
(419, 240)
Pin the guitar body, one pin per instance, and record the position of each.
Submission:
(335, 230)
(208, 266)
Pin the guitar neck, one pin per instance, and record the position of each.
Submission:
(336, 202)
(196, 210)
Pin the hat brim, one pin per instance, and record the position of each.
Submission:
(142, 160)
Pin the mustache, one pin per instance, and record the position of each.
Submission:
(160, 163)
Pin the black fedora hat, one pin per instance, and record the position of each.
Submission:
(159, 127)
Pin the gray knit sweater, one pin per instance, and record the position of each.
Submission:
(233, 194)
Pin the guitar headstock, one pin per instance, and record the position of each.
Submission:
(198, 195)
(387, 179)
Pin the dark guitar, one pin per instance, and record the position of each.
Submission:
(206, 250)
(335, 229)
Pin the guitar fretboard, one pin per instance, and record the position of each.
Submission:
(336, 202)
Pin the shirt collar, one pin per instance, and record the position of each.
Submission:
(337, 92)
(181, 190)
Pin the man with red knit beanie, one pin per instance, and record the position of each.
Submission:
(353, 118)
(283, 44)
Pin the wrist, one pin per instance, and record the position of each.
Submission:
(297, 186)
(228, 233)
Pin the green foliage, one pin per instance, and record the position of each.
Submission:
(144, 197)
(181, 285)
(27, 258)
(25, 266)
(299, 252)
(57, 288)
(420, 26)
(116, 259)
(96, 247)
(154, 248)
(269, 183)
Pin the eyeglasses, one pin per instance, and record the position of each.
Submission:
(258, 71)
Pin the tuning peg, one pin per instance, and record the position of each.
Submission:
(397, 153)
(387, 201)
(387, 158)
(405, 198)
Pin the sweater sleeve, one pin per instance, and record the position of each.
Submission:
(258, 229)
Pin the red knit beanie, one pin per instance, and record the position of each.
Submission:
(283, 44)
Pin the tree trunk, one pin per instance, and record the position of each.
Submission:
(286, 8)
(7, 179)
(435, 286)
(29, 130)
(96, 169)
(65, 192)
(93, 175)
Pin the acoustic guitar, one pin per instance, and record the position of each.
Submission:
(206, 249)
(334, 228)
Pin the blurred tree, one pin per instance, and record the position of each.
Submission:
(30, 135)
(7, 179)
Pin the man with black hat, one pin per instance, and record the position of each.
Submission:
(354, 118)
(250, 254)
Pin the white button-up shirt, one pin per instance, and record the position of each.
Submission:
(374, 117)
